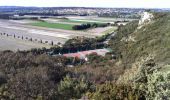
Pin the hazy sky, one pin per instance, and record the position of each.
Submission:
(89, 3)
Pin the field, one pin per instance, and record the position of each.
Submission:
(53, 25)
(56, 29)
(7, 43)
(95, 19)
(68, 22)
(65, 24)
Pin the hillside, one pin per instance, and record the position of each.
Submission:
(134, 42)
(144, 52)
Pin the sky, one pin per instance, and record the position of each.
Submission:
(89, 3)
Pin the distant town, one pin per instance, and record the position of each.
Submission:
(78, 11)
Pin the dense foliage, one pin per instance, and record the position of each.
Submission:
(87, 26)
(81, 27)
(28, 76)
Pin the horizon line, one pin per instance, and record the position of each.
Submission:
(81, 7)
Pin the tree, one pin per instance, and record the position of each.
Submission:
(81, 27)
(3, 78)
(52, 43)
(40, 41)
(72, 89)
(30, 39)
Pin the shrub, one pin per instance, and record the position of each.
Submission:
(110, 91)
(71, 89)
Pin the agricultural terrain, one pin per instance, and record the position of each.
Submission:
(53, 30)
(7, 43)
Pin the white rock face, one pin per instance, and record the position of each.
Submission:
(146, 17)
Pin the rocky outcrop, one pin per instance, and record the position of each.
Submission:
(146, 17)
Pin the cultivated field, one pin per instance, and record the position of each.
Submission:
(53, 25)
(68, 22)
(45, 31)
(96, 19)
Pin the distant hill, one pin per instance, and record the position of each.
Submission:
(34, 7)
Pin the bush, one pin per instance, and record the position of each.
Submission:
(81, 27)
(71, 88)
(110, 91)
(157, 86)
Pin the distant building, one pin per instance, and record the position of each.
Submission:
(83, 54)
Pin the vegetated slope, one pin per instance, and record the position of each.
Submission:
(132, 43)
(144, 52)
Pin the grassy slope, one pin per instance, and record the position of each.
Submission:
(152, 39)
(149, 59)
(53, 25)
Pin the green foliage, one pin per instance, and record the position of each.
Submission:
(81, 27)
(158, 86)
(116, 44)
(82, 44)
(110, 91)
(72, 89)
(153, 80)
(94, 58)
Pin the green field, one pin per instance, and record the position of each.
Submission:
(59, 25)
(53, 25)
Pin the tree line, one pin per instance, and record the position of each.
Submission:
(73, 45)
(87, 26)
